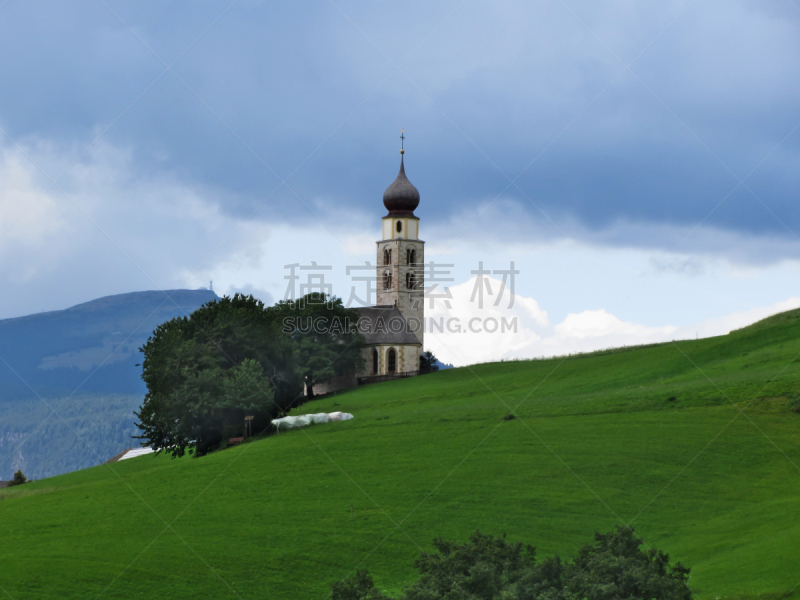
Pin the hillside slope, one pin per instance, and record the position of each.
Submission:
(81, 364)
(696, 443)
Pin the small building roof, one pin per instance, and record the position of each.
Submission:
(129, 453)
(384, 325)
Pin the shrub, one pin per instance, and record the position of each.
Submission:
(358, 587)
(490, 568)
(18, 479)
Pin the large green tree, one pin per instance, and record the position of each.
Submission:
(325, 334)
(615, 567)
(205, 372)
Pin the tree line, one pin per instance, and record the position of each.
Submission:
(235, 357)
(614, 567)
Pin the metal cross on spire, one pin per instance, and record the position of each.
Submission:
(402, 141)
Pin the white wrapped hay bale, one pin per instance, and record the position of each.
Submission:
(312, 419)
(340, 416)
(291, 422)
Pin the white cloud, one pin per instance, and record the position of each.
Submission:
(599, 324)
(104, 228)
(460, 338)
(24, 221)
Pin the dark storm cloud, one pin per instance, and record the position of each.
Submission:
(492, 91)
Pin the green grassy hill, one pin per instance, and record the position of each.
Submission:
(696, 443)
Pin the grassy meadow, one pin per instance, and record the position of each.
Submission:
(696, 443)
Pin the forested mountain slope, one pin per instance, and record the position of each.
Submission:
(81, 363)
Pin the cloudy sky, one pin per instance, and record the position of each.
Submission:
(639, 162)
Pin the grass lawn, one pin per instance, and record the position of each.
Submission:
(695, 443)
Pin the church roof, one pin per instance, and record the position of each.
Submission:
(401, 198)
(384, 325)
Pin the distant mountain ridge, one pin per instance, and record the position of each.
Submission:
(55, 352)
(70, 380)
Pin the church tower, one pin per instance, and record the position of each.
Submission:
(393, 330)
(401, 254)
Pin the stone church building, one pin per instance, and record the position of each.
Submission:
(393, 330)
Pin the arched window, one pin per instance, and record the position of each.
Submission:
(412, 259)
(409, 285)
(387, 256)
(387, 280)
(374, 360)
(399, 226)
(413, 281)
(392, 360)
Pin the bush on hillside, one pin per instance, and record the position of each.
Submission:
(428, 361)
(358, 587)
(614, 567)
(18, 479)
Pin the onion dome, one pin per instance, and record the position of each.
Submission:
(401, 198)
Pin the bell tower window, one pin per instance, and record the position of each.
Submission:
(399, 226)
